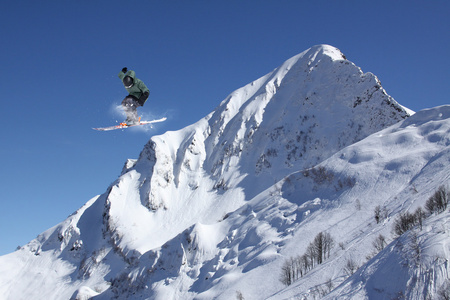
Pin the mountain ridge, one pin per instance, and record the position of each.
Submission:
(252, 100)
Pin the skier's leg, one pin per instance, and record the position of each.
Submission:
(130, 105)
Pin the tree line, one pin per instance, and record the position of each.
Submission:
(319, 249)
(316, 252)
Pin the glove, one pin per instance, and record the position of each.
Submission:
(143, 98)
(124, 70)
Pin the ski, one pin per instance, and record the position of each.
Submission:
(124, 125)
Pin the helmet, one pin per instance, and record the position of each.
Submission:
(128, 81)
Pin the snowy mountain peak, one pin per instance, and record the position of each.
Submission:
(205, 212)
(292, 118)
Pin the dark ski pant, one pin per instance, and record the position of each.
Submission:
(130, 104)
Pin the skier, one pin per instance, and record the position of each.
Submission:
(138, 94)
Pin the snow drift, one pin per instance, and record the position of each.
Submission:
(214, 210)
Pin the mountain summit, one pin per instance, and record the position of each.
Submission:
(214, 209)
(293, 118)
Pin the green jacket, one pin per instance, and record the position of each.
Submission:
(138, 87)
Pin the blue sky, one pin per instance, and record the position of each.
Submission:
(60, 60)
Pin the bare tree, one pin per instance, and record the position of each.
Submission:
(379, 243)
(239, 295)
(404, 222)
(443, 195)
(329, 244)
(322, 244)
(438, 202)
(318, 246)
(419, 215)
(358, 204)
(384, 212)
(380, 213)
(311, 254)
(430, 205)
(288, 272)
(303, 264)
(350, 267)
(377, 213)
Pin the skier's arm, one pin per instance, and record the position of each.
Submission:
(143, 97)
(145, 92)
(122, 73)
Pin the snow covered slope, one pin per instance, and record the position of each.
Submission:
(214, 210)
(397, 169)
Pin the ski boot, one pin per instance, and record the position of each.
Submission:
(131, 122)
